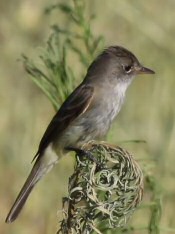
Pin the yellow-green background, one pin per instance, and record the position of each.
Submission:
(145, 27)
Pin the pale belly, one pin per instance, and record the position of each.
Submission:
(92, 125)
(95, 122)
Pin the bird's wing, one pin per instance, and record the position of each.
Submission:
(75, 105)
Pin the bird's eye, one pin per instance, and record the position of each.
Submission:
(127, 69)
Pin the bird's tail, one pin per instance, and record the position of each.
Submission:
(39, 169)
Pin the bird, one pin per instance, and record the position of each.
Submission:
(85, 115)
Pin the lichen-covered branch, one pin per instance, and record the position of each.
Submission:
(102, 193)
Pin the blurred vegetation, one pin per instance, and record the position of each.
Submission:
(58, 80)
(148, 114)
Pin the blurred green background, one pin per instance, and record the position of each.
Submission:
(148, 30)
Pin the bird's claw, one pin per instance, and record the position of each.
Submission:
(82, 152)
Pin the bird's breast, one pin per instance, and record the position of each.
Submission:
(95, 122)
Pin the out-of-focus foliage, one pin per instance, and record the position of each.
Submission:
(57, 80)
(148, 114)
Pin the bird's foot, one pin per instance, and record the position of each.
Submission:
(82, 152)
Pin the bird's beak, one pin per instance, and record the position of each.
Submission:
(143, 70)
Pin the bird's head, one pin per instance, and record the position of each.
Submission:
(125, 64)
(117, 63)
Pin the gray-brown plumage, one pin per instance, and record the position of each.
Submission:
(85, 115)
